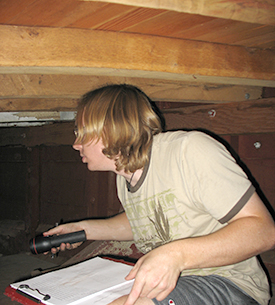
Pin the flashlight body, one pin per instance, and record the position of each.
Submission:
(41, 244)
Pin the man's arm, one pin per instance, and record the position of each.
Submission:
(249, 233)
(114, 228)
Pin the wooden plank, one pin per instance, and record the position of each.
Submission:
(119, 17)
(220, 30)
(61, 92)
(102, 15)
(76, 51)
(131, 19)
(37, 12)
(10, 8)
(263, 39)
(249, 35)
(232, 118)
(174, 93)
(169, 23)
(203, 28)
(38, 104)
(257, 11)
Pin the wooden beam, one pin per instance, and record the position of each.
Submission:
(232, 118)
(38, 104)
(62, 92)
(76, 51)
(256, 11)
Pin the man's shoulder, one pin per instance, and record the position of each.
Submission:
(180, 135)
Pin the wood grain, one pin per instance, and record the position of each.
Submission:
(60, 48)
(232, 118)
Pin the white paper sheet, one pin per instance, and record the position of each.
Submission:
(97, 280)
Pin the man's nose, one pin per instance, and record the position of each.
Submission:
(77, 146)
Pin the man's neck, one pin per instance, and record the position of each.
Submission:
(132, 178)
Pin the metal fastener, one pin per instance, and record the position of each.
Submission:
(257, 145)
(212, 113)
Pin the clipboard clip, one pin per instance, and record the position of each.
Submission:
(25, 286)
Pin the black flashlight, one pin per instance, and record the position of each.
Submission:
(41, 244)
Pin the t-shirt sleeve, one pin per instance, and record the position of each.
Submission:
(239, 205)
(217, 184)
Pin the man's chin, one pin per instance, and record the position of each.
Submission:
(91, 168)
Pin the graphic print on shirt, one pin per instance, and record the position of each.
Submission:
(161, 225)
(154, 221)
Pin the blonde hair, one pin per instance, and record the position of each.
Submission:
(126, 121)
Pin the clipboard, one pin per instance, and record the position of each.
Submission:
(32, 291)
(20, 298)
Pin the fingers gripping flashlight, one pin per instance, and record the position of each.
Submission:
(41, 244)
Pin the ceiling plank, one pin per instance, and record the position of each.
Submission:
(257, 11)
(232, 118)
(77, 51)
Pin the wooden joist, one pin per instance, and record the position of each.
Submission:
(62, 92)
(77, 51)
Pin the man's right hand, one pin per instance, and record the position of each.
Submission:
(64, 229)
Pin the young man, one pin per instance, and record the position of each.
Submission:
(188, 206)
